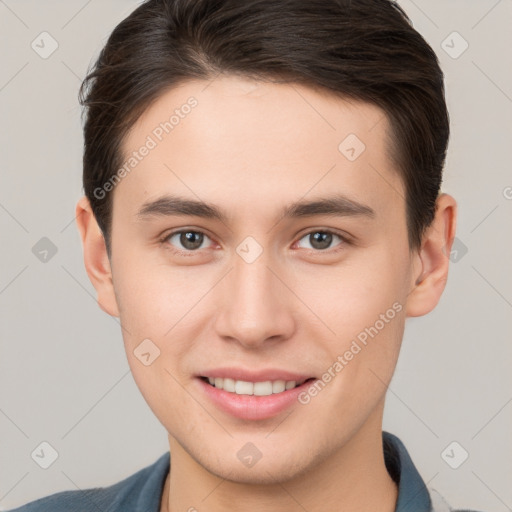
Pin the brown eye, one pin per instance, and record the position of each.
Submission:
(186, 240)
(321, 240)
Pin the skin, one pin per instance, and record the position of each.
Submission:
(251, 148)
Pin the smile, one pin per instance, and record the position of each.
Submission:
(248, 400)
(241, 387)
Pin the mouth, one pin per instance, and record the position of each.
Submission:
(266, 388)
(253, 400)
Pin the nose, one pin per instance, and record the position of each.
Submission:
(255, 306)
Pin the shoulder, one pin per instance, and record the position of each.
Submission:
(413, 493)
(142, 488)
(439, 504)
(79, 501)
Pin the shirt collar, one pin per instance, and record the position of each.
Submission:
(413, 495)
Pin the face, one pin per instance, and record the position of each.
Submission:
(273, 282)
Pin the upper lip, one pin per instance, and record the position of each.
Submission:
(255, 375)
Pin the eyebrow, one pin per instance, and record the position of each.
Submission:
(335, 205)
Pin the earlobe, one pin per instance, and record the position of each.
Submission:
(96, 259)
(433, 259)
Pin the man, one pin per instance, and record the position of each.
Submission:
(262, 212)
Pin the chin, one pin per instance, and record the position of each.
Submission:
(265, 471)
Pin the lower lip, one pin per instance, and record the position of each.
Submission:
(252, 407)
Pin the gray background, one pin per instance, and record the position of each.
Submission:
(64, 378)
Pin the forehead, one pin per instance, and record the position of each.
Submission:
(257, 141)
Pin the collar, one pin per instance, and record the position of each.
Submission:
(413, 494)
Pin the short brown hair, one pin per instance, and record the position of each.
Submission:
(365, 50)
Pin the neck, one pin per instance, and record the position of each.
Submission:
(353, 478)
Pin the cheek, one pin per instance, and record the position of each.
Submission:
(159, 309)
(152, 311)
(363, 304)
(365, 309)
(353, 295)
(146, 297)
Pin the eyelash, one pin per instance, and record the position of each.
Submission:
(164, 240)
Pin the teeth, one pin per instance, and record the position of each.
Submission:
(263, 388)
(278, 386)
(241, 387)
(227, 385)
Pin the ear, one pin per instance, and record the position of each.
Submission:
(96, 259)
(432, 259)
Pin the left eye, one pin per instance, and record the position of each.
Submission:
(320, 240)
(190, 240)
